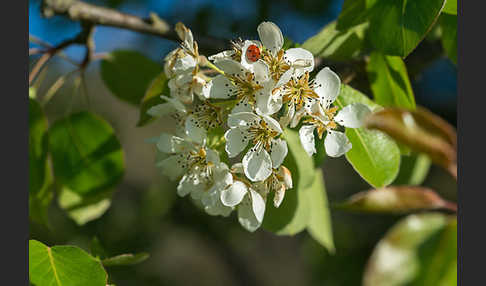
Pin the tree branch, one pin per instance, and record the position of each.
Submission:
(96, 15)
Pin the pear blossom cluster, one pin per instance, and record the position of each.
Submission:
(228, 148)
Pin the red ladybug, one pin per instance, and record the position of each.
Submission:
(253, 53)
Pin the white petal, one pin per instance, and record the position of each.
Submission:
(230, 67)
(179, 106)
(261, 71)
(286, 175)
(221, 87)
(234, 194)
(300, 59)
(161, 109)
(222, 55)
(306, 134)
(279, 152)
(336, 143)
(171, 167)
(352, 115)
(212, 156)
(278, 196)
(267, 102)
(297, 116)
(212, 204)
(188, 184)
(184, 64)
(327, 85)
(168, 143)
(270, 36)
(206, 91)
(258, 205)
(272, 123)
(287, 118)
(242, 119)
(242, 106)
(235, 141)
(257, 165)
(221, 176)
(246, 216)
(196, 133)
(285, 77)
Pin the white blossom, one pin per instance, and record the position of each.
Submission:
(260, 131)
(323, 117)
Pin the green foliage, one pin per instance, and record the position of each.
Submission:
(40, 177)
(125, 259)
(127, 74)
(389, 81)
(450, 7)
(418, 250)
(158, 86)
(63, 266)
(292, 215)
(448, 23)
(396, 27)
(374, 155)
(337, 44)
(86, 155)
(319, 224)
(84, 208)
(413, 170)
(396, 199)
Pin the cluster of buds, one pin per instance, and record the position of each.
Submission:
(259, 90)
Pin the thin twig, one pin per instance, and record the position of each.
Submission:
(97, 15)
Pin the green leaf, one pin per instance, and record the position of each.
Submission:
(159, 86)
(389, 81)
(293, 214)
(125, 259)
(374, 155)
(413, 170)
(319, 225)
(398, 26)
(83, 208)
(86, 155)
(127, 74)
(396, 199)
(63, 265)
(336, 44)
(450, 7)
(419, 250)
(448, 24)
(40, 177)
(353, 13)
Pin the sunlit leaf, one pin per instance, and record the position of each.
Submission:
(83, 208)
(63, 265)
(336, 44)
(319, 225)
(418, 250)
(86, 155)
(389, 81)
(293, 214)
(448, 23)
(128, 74)
(398, 26)
(159, 86)
(396, 199)
(450, 7)
(413, 170)
(125, 259)
(353, 13)
(422, 131)
(374, 155)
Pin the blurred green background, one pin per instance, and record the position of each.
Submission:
(188, 247)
